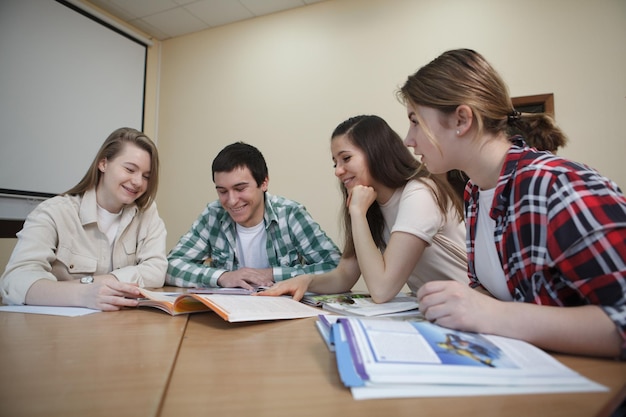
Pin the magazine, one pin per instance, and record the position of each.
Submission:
(324, 323)
(360, 304)
(391, 358)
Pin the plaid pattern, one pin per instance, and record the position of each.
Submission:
(560, 231)
(296, 245)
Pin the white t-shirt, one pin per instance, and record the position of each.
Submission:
(251, 247)
(488, 266)
(109, 223)
(413, 210)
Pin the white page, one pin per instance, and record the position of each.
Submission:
(427, 390)
(53, 311)
(249, 307)
(395, 352)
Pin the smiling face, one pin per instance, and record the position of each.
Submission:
(430, 138)
(124, 178)
(351, 165)
(240, 195)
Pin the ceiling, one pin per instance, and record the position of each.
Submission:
(165, 19)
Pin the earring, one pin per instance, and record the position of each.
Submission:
(458, 132)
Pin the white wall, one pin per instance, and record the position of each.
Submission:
(55, 108)
(284, 81)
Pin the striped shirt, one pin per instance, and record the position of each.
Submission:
(295, 244)
(560, 232)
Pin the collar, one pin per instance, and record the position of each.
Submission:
(270, 216)
(88, 212)
(509, 168)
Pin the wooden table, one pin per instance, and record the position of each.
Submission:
(284, 369)
(103, 364)
(147, 363)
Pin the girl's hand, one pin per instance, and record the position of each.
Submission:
(296, 287)
(457, 306)
(360, 199)
(109, 294)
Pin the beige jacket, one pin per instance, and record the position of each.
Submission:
(61, 241)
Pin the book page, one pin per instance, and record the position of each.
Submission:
(422, 352)
(378, 391)
(362, 305)
(53, 311)
(171, 302)
(249, 308)
(226, 290)
(392, 359)
(425, 343)
(167, 297)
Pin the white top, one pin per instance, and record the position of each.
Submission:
(488, 266)
(251, 247)
(413, 210)
(109, 223)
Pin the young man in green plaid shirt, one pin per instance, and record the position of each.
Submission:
(248, 237)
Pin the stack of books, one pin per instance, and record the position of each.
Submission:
(407, 356)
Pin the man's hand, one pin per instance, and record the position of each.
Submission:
(247, 278)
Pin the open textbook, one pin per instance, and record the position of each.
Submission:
(380, 358)
(360, 304)
(231, 307)
(325, 322)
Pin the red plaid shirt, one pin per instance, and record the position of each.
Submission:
(560, 232)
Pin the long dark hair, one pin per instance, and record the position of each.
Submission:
(392, 164)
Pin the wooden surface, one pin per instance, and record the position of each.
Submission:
(147, 363)
(284, 369)
(103, 364)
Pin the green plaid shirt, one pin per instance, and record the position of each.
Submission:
(296, 245)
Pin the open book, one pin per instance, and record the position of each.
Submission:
(391, 358)
(360, 304)
(325, 322)
(230, 307)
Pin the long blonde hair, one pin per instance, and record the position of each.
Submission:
(463, 76)
(111, 147)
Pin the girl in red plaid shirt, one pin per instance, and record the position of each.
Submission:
(546, 237)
